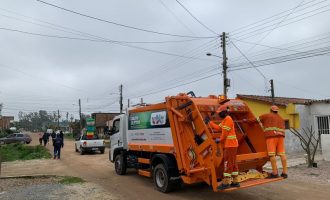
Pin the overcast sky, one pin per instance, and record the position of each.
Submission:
(38, 72)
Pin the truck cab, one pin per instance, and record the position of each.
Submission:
(118, 139)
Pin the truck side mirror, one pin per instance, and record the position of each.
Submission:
(112, 130)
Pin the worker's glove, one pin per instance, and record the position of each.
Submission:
(207, 119)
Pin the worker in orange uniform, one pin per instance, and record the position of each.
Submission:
(230, 144)
(274, 129)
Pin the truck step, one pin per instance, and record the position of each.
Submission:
(250, 183)
(146, 173)
(144, 161)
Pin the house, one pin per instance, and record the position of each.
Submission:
(316, 114)
(5, 122)
(101, 120)
(291, 109)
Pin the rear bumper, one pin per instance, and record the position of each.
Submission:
(93, 148)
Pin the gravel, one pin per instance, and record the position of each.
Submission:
(319, 175)
(48, 188)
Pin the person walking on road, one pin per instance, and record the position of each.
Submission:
(58, 144)
(229, 141)
(61, 135)
(40, 135)
(45, 138)
(53, 135)
(274, 129)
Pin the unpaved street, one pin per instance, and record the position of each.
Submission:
(97, 169)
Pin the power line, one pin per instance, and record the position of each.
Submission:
(249, 61)
(109, 41)
(281, 59)
(250, 26)
(295, 47)
(176, 17)
(183, 84)
(116, 23)
(76, 32)
(262, 30)
(275, 27)
(196, 18)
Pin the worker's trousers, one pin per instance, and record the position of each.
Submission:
(230, 164)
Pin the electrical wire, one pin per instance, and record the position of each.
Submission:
(264, 29)
(271, 18)
(249, 61)
(116, 23)
(176, 17)
(109, 41)
(196, 18)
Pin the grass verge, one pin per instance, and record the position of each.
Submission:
(69, 136)
(66, 180)
(12, 152)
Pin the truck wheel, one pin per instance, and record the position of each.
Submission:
(102, 151)
(162, 179)
(120, 165)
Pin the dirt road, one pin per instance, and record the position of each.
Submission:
(97, 169)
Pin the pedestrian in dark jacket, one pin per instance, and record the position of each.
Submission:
(45, 138)
(53, 137)
(61, 135)
(58, 144)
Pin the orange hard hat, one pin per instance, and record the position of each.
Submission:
(274, 108)
(222, 108)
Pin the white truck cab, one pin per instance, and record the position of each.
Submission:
(118, 139)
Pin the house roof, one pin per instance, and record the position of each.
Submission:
(318, 101)
(281, 101)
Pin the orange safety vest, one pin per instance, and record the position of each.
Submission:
(273, 125)
(228, 136)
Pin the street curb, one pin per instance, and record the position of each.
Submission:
(29, 176)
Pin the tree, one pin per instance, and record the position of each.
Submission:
(309, 141)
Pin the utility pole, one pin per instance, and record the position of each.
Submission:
(272, 90)
(226, 83)
(58, 119)
(80, 122)
(121, 98)
(128, 103)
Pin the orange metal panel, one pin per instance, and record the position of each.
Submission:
(144, 173)
(161, 148)
(251, 156)
(144, 160)
(159, 106)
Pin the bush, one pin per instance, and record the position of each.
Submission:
(12, 152)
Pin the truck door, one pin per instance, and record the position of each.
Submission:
(116, 139)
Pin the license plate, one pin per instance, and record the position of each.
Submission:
(95, 149)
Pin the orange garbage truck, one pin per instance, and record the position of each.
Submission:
(171, 143)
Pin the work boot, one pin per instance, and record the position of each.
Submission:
(235, 182)
(272, 175)
(284, 175)
(225, 184)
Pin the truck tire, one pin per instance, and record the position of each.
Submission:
(102, 151)
(161, 179)
(120, 165)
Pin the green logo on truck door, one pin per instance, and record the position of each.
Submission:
(148, 119)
